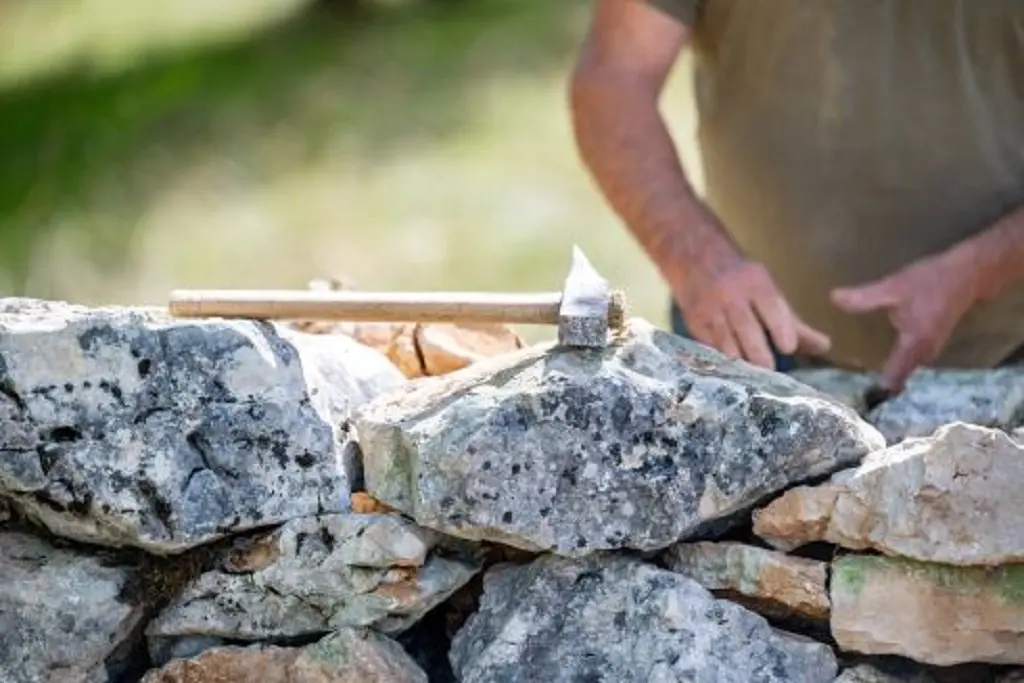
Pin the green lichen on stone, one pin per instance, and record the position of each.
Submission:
(851, 573)
(848, 573)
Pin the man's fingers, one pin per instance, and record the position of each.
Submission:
(810, 341)
(717, 334)
(750, 335)
(779, 320)
(866, 298)
(907, 355)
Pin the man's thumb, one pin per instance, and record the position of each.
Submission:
(864, 298)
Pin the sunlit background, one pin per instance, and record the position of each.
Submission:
(422, 144)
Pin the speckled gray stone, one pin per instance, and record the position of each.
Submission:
(618, 620)
(932, 398)
(637, 445)
(124, 427)
(312, 576)
(62, 614)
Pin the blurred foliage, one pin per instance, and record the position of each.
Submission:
(403, 144)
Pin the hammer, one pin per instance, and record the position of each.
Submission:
(584, 311)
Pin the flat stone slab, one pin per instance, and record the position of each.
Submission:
(771, 583)
(934, 614)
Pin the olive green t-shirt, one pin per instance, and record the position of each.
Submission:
(843, 139)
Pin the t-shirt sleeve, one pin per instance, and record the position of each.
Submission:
(685, 11)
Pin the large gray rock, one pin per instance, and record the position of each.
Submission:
(313, 576)
(618, 620)
(62, 614)
(932, 398)
(635, 446)
(953, 497)
(127, 428)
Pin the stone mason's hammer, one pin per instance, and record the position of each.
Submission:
(584, 311)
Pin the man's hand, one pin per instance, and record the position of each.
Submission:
(924, 301)
(736, 308)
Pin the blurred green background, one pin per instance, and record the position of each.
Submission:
(260, 143)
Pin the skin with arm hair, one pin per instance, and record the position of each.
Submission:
(730, 302)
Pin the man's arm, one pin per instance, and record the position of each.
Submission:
(996, 256)
(618, 81)
(729, 303)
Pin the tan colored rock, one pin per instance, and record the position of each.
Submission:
(447, 348)
(426, 350)
(769, 582)
(952, 498)
(934, 614)
(396, 341)
(347, 656)
(364, 504)
(419, 350)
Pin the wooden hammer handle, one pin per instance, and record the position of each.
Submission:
(356, 306)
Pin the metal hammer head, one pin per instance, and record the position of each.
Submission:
(587, 306)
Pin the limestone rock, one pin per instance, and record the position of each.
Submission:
(934, 614)
(338, 570)
(933, 398)
(346, 656)
(124, 427)
(420, 350)
(638, 445)
(850, 388)
(447, 348)
(619, 620)
(768, 582)
(62, 614)
(396, 341)
(952, 498)
(865, 673)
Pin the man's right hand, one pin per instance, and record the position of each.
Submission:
(735, 307)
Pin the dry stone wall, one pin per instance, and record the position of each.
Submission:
(200, 501)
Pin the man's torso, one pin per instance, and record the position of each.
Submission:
(843, 139)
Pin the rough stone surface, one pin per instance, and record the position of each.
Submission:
(934, 614)
(61, 613)
(768, 582)
(865, 673)
(619, 620)
(853, 389)
(126, 428)
(952, 498)
(447, 348)
(638, 445)
(933, 398)
(346, 656)
(319, 575)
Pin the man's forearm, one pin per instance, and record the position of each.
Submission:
(627, 147)
(995, 255)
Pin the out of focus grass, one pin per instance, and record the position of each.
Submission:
(145, 147)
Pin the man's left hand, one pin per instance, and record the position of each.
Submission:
(924, 301)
